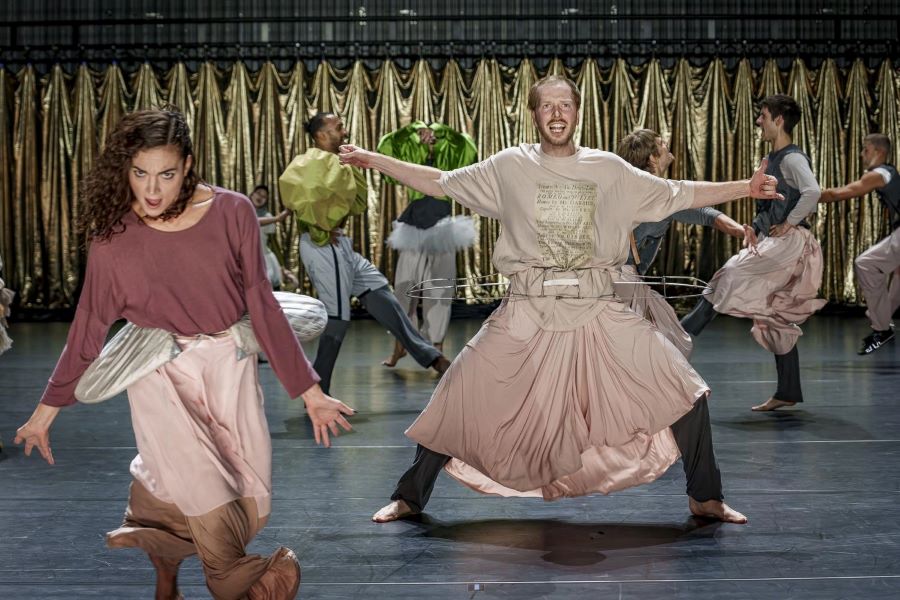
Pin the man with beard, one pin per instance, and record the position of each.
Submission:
(564, 391)
(323, 194)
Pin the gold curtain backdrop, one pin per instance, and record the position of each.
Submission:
(247, 125)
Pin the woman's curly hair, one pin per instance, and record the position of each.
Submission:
(105, 192)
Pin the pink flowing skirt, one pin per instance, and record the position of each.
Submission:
(201, 429)
(776, 288)
(651, 305)
(526, 411)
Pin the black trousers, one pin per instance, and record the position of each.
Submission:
(693, 435)
(695, 321)
(787, 365)
(384, 308)
(329, 346)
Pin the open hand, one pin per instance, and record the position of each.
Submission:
(326, 413)
(355, 156)
(36, 432)
(290, 279)
(426, 136)
(750, 240)
(762, 186)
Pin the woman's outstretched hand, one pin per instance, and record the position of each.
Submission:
(326, 413)
(36, 431)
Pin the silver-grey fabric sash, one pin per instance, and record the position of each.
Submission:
(135, 352)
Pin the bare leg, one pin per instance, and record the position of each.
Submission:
(399, 352)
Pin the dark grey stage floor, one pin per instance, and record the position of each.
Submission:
(820, 484)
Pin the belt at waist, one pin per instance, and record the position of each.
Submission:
(549, 282)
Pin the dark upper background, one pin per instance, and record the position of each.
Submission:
(44, 32)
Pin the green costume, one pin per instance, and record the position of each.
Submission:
(452, 149)
(322, 192)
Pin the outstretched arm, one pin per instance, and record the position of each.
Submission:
(263, 221)
(869, 182)
(760, 186)
(418, 177)
(326, 413)
(99, 306)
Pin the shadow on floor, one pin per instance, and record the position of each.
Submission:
(815, 424)
(568, 544)
(300, 428)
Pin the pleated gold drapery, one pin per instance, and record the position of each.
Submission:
(247, 125)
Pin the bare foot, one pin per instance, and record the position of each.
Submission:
(441, 364)
(771, 404)
(399, 352)
(166, 578)
(393, 511)
(714, 509)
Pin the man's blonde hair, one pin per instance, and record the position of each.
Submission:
(638, 146)
(534, 94)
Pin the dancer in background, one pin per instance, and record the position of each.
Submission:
(168, 251)
(646, 150)
(323, 194)
(775, 284)
(426, 235)
(260, 199)
(6, 298)
(564, 391)
(878, 268)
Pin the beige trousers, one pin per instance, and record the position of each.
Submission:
(413, 267)
(218, 537)
(874, 270)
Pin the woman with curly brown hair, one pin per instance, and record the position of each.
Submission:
(170, 252)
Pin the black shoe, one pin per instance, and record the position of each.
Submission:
(876, 340)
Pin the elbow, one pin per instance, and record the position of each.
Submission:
(435, 189)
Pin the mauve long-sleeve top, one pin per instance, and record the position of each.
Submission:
(199, 280)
